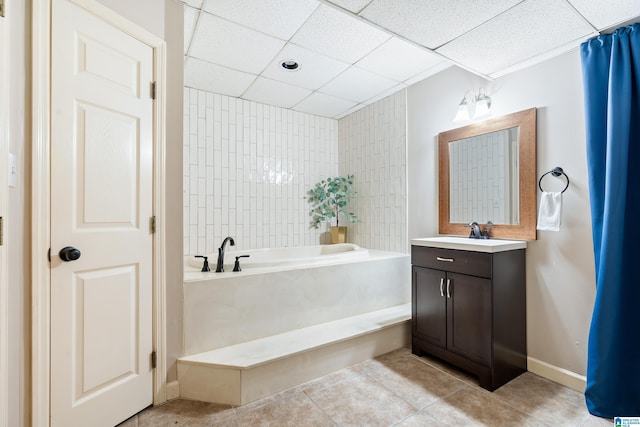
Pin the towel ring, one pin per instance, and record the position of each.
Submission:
(557, 171)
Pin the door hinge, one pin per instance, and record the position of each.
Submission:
(152, 224)
(153, 88)
(1, 227)
(154, 359)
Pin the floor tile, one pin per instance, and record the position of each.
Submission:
(413, 380)
(131, 422)
(332, 379)
(478, 407)
(449, 369)
(398, 389)
(276, 397)
(593, 421)
(545, 400)
(420, 419)
(360, 401)
(296, 410)
(182, 412)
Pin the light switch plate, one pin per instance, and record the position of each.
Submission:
(13, 173)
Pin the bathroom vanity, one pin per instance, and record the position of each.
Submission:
(469, 305)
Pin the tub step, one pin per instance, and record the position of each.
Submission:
(245, 372)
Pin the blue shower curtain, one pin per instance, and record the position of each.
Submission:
(611, 77)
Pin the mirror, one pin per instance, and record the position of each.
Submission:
(487, 173)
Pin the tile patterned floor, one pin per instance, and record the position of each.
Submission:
(396, 389)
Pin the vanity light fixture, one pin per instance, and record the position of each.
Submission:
(481, 103)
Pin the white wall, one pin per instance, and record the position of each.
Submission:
(173, 35)
(560, 267)
(247, 167)
(373, 148)
(18, 15)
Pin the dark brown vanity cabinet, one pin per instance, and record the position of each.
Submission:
(469, 309)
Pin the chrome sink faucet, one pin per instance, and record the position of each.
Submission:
(475, 230)
(220, 263)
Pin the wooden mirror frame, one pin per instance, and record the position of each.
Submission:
(526, 122)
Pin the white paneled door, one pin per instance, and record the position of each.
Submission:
(101, 205)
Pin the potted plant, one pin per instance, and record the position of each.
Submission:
(329, 199)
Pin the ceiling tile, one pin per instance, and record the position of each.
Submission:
(605, 14)
(223, 42)
(386, 93)
(190, 19)
(276, 93)
(428, 73)
(435, 22)
(315, 70)
(533, 28)
(338, 35)
(357, 85)
(193, 3)
(399, 60)
(279, 18)
(214, 78)
(354, 6)
(323, 105)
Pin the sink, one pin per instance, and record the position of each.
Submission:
(466, 244)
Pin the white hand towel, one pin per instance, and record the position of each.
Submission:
(550, 211)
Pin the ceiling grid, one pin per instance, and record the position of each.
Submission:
(353, 52)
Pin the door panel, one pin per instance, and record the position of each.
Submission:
(469, 311)
(107, 169)
(429, 306)
(101, 202)
(107, 341)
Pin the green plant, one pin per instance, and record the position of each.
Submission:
(329, 198)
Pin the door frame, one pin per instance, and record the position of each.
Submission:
(4, 210)
(41, 198)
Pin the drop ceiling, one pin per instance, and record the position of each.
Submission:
(354, 52)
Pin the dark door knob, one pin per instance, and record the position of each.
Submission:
(69, 253)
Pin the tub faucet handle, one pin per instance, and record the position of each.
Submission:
(236, 266)
(205, 266)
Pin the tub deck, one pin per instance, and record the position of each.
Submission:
(255, 333)
(240, 374)
(269, 349)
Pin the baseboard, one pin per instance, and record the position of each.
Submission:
(173, 390)
(556, 374)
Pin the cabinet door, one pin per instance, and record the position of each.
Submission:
(429, 305)
(469, 317)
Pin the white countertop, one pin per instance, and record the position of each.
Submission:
(466, 244)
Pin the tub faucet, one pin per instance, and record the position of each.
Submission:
(475, 230)
(220, 264)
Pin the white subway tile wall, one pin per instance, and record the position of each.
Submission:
(247, 167)
(373, 147)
